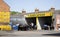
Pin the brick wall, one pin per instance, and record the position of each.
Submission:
(4, 7)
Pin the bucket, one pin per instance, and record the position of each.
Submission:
(15, 27)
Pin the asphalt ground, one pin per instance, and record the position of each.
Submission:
(39, 33)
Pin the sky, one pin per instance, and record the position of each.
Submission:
(31, 5)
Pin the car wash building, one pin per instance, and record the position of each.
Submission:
(39, 18)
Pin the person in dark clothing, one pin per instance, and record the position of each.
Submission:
(19, 27)
(31, 26)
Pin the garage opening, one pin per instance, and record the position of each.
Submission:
(31, 20)
(46, 22)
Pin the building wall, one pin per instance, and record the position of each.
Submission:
(4, 16)
(17, 18)
(57, 22)
(4, 7)
(4, 13)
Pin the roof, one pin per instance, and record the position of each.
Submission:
(21, 15)
(17, 15)
(57, 11)
(38, 12)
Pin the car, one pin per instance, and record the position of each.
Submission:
(23, 27)
(45, 27)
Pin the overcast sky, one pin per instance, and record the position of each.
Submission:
(30, 5)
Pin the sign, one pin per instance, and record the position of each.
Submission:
(39, 14)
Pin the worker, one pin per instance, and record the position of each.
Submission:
(32, 25)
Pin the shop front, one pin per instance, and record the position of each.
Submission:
(39, 19)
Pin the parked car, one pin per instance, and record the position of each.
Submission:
(45, 27)
(23, 27)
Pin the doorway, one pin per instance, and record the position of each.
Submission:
(45, 22)
(31, 20)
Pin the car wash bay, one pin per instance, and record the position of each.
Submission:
(39, 21)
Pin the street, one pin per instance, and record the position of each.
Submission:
(41, 33)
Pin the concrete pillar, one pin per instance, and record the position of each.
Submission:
(37, 23)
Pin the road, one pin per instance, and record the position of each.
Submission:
(30, 33)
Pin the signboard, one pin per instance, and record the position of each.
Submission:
(39, 14)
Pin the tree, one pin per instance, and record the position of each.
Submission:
(13, 12)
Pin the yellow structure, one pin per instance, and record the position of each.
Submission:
(4, 21)
(4, 17)
(5, 27)
(39, 14)
(42, 14)
(37, 23)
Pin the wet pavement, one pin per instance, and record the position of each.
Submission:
(40, 33)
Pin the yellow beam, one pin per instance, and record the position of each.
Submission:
(40, 14)
(37, 23)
